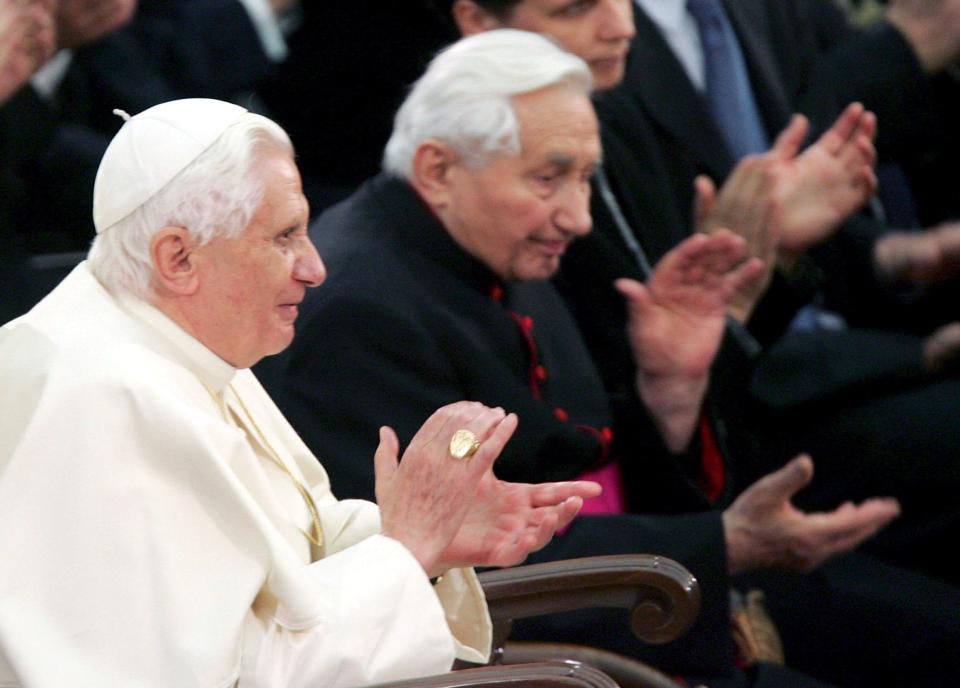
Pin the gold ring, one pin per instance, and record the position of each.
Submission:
(463, 445)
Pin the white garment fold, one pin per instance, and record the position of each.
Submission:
(146, 542)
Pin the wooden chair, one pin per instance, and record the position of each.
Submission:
(662, 596)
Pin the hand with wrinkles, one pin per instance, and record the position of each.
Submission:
(676, 322)
(452, 513)
(828, 181)
(27, 40)
(924, 257)
(782, 203)
(83, 21)
(763, 529)
(932, 28)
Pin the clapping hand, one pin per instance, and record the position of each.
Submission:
(764, 529)
(453, 512)
(676, 322)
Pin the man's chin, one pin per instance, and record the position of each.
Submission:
(542, 271)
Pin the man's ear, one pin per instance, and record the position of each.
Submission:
(174, 260)
(470, 18)
(432, 165)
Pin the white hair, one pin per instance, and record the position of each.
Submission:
(464, 98)
(215, 195)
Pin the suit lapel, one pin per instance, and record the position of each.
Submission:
(752, 26)
(659, 84)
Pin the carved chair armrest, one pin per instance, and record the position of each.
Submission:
(662, 596)
(627, 672)
(564, 674)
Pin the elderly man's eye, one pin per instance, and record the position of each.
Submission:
(576, 8)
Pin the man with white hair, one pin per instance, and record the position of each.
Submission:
(486, 184)
(162, 524)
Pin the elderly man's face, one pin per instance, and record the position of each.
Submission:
(252, 285)
(517, 214)
(597, 31)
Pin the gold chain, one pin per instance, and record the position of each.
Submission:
(315, 534)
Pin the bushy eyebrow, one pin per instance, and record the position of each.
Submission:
(565, 163)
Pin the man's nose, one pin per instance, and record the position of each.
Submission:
(616, 20)
(573, 213)
(309, 267)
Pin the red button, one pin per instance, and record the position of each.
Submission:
(496, 292)
(526, 322)
(540, 373)
(606, 435)
(561, 415)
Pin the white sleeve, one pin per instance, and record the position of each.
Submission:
(380, 620)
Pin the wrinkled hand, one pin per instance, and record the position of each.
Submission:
(27, 41)
(930, 256)
(676, 322)
(747, 204)
(83, 21)
(831, 179)
(932, 27)
(783, 203)
(764, 529)
(451, 513)
(941, 350)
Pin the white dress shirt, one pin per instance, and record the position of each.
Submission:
(681, 34)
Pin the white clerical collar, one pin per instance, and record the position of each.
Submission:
(212, 370)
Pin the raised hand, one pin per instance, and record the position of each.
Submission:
(932, 27)
(747, 204)
(676, 322)
(941, 350)
(930, 256)
(828, 181)
(783, 202)
(27, 40)
(83, 21)
(451, 512)
(763, 528)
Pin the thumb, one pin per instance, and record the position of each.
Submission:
(786, 482)
(704, 201)
(636, 294)
(385, 462)
(791, 138)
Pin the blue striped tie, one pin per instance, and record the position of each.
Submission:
(729, 94)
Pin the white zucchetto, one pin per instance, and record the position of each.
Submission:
(151, 149)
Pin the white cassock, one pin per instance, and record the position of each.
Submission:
(146, 541)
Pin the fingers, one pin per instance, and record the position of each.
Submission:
(385, 460)
(941, 350)
(492, 427)
(540, 528)
(491, 447)
(842, 130)
(868, 126)
(747, 275)
(567, 511)
(552, 494)
(791, 138)
(839, 531)
(781, 485)
(635, 293)
(704, 201)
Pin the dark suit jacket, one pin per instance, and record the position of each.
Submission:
(657, 137)
(170, 50)
(349, 68)
(405, 324)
